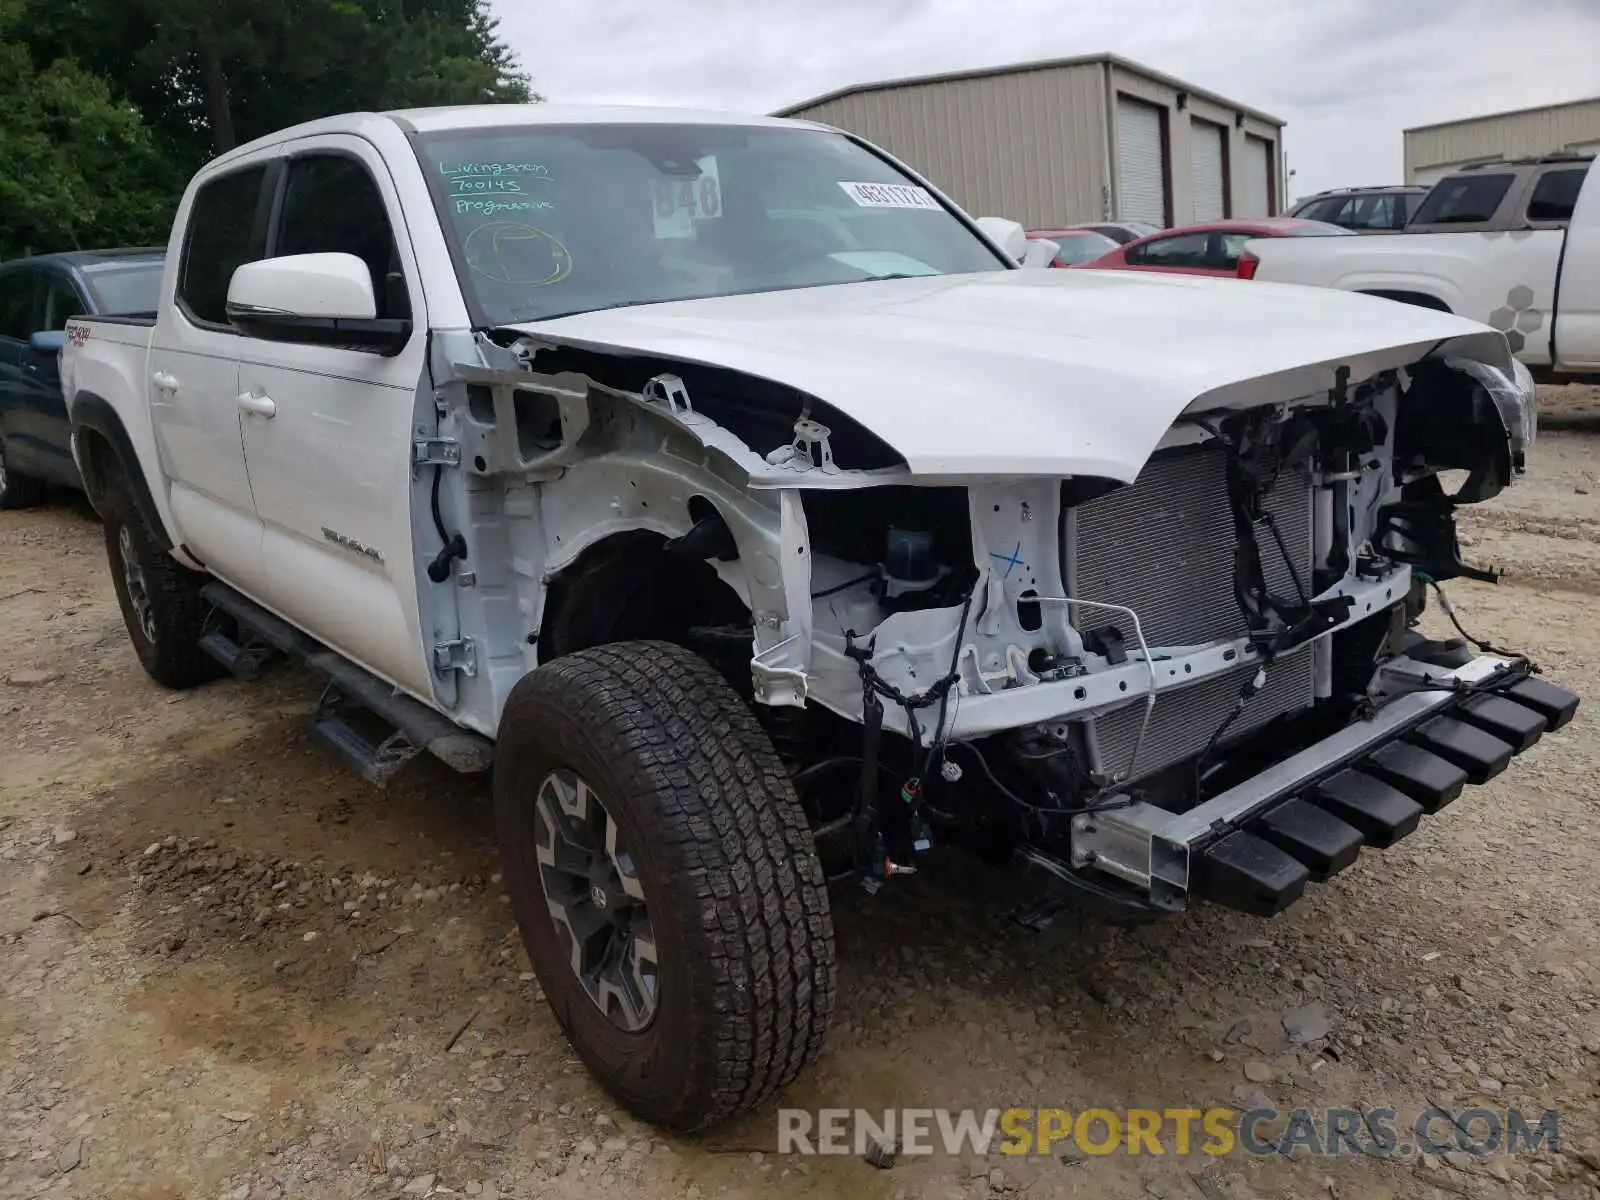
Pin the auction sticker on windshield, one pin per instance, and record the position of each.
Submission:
(681, 201)
(889, 195)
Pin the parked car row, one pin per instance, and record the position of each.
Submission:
(38, 296)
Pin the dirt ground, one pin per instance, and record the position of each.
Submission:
(229, 969)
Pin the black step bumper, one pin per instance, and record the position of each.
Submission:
(1255, 847)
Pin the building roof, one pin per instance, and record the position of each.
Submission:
(1511, 112)
(1047, 64)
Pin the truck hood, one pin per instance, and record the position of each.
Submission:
(1045, 372)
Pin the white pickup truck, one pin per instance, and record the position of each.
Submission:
(1514, 245)
(741, 504)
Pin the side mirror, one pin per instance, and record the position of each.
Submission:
(47, 343)
(313, 299)
(1006, 234)
(1041, 253)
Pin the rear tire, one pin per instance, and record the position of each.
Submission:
(664, 772)
(16, 489)
(159, 597)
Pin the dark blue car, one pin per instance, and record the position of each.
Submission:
(37, 296)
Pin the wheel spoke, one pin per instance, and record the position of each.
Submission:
(596, 899)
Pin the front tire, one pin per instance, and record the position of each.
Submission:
(159, 597)
(665, 881)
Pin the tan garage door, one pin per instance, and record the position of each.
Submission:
(1207, 199)
(1141, 179)
(1255, 192)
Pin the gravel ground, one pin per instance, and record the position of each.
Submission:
(228, 969)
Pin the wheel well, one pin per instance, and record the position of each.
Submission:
(1419, 299)
(631, 586)
(97, 462)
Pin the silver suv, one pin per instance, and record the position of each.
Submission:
(1364, 209)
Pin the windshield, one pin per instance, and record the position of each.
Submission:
(125, 288)
(544, 221)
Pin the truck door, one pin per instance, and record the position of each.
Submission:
(1576, 341)
(194, 376)
(328, 437)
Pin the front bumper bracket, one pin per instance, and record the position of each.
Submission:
(1255, 846)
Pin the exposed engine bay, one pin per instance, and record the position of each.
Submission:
(1015, 664)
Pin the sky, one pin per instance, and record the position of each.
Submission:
(1347, 75)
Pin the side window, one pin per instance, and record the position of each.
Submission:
(1321, 210)
(1556, 195)
(1230, 246)
(1368, 212)
(331, 204)
(222, 237)
(16, 304)
(61, 302)
(1185, 250)
(1464, 200)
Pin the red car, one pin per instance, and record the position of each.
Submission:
(1077, 245)
(1209, 249)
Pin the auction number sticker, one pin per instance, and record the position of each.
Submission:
(889, 195)
(679, 202)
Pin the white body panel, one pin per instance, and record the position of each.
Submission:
(1577, 323)
(334, 459)
(1032, 372)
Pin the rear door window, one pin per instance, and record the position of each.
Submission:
(226, 230)
(1183, 250)
(1556, 195)
(1464, 200)
(1368, 212)
(1322, 210)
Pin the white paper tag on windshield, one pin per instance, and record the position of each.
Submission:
(889, 195)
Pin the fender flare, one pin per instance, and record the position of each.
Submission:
(94, 419)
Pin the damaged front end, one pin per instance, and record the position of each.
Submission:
(1203, 682)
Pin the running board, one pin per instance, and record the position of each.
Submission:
(362, 720)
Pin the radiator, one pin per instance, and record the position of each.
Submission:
(1164, 547)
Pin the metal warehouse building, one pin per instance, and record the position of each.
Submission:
(1070, 140)
(1433, 151)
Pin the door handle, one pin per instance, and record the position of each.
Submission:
(164, 382)
(259, 403)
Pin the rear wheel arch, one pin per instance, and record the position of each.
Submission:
(1418, 299)
(106, 455)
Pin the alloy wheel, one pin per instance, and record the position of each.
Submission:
(596, 900)
(138, 591)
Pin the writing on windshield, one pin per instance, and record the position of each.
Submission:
(548, 220)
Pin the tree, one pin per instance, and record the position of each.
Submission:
(209, 74)
(108, 106)
(78, 167)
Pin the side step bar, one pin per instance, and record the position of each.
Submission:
(360, 719)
